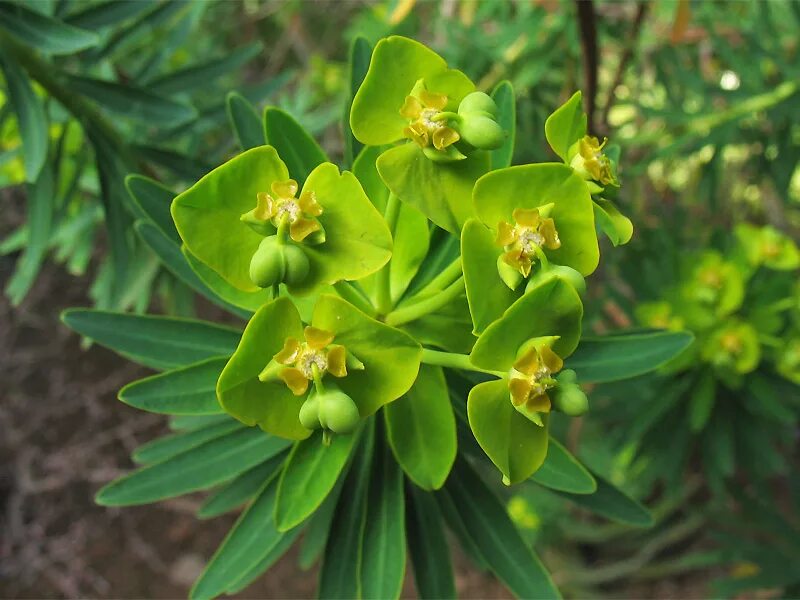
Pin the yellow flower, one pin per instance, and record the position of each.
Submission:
(525, 237)
(300, 213)
(531, 377)
(305, 361)
(591, 163)
(426, 127)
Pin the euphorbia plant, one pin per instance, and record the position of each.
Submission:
(367, 328)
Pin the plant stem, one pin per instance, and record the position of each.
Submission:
(453, 361)
(419, 309)
(448, 275)
(354, 296)
(384, 299)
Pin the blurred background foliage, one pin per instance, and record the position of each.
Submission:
(703, 99)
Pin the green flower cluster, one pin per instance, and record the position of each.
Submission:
(355, 309)
(741, 307)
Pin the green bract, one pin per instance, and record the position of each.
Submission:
(350, 242)
(254, 387)
(502, 255)
(409, 93)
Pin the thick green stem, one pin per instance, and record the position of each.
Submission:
(419, 309)
(354, 296)
(453, 361)
(448, 275)
(384, 277)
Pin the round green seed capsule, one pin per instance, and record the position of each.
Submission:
(338, 412)
(267, 264)
(481, 131)
(477, 102)
(309, 413)
(568, 397)
(296, 265)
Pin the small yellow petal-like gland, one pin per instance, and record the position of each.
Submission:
(317, 353)
(591, 163)
(300, 213)
(425, 126)
(531, 377)
(523, 239)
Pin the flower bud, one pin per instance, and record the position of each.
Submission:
(267, 265)
(481, 131)
(477, 102)
(275, 262)
(567, 396)
(337, 411)
(309, 413)
(564, 273)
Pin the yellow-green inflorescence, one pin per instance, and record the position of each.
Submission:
(534, 388)
(589, 161)
(524, 239)
(303, 364)
(287, 222)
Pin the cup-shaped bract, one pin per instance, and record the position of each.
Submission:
(547, 320)
(547, 206)
(386, 364)
(208, 216)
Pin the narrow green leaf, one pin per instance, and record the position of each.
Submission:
(384, 543)
(319, 526)
(201, 76)
(701, 401)
(298, 150)
(188, 391)
(105, 14)
(153, 201)
(190, 422)
(158, 342)
(491, 529)
(456, 524)
(421, 429)
(310, 473)
(265, 563)
(250, 539)
(359, 57)
(40, 219)
(240, 489)
(339, 575)
(612, 503)
(427, 544)
(201, 467)
(31, 119)
(41, 32)
(562, 471)
(133, 102)
(622, 356)
(503, 95)
(245, 121)
(188, 168)
(171, 445)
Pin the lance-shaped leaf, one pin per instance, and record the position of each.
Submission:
(421, 429)
(552, 309)
(566, 126)
(187, 391)
(514, 443)
(622, 356)
(440, 190)
(298, 149)
(397, 64)
(270, 404)
(391, 358)
(562, 471)
(310, 474)
(42, 32)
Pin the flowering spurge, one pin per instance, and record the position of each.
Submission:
(593, 161)
(290, 379)
(534, 223)
(445, 126)
(526, 349)
(249, 222)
